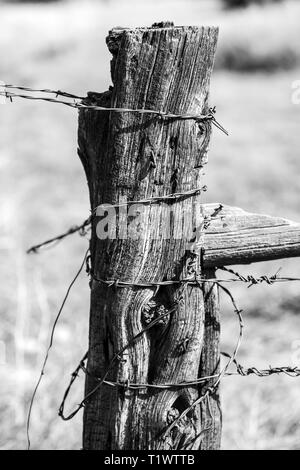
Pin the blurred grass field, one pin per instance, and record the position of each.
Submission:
(43, 191)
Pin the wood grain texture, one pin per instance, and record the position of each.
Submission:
(239, 237)
(138, 156)
(211, 413)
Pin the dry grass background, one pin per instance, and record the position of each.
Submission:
(43, 191)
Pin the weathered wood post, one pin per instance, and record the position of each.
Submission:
(138, 283)
(137, 156)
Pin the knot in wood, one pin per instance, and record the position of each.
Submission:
(153, 310)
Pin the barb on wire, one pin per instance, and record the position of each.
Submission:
(80, 102)
(245, 372)
(252, 280)
(44, 90)
(81, 229)
(49, 347)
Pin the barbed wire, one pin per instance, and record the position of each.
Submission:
(190, 281)
(252, 280)
(245, 372)
(127, 385)
(241, 370)
(81, 104)
(42, 90)
(81, 229)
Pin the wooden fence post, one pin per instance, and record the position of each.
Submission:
(136, 156)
